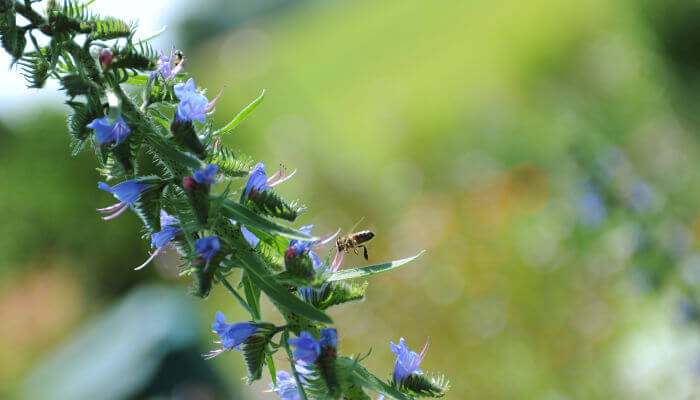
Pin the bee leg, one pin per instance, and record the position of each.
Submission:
(365, 248)
(356, 250)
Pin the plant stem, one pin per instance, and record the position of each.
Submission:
(300, 388)
(235, 294)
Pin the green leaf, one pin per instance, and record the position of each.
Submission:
(259, 277)
(137, 80)
(241, 115)
(172, 153)
(244, 216)
(271, 368)
(356, 273)
(364, 378)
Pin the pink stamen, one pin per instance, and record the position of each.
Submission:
(153, 255)
(421, 356)
(111, 208)
(324, 240)
(211, 103)
(116, 214)
(212, 354)
(270, 179)
(337, 260)
(281, 179)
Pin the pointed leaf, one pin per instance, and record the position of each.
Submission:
(172, 153)
(356, 273)
(241, 115)
(259, 277)
(244, 216)
(364, 378)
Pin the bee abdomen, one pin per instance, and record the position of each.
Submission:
(363, 236)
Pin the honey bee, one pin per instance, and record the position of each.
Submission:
(355, 241)
(179, 56)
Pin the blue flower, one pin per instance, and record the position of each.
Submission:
(407, 361)
(193, 105)
(160, 240)
(250, 237)
(232, 335)
(302, 246)
(207, 246)
(307, 348)
(286, 386)
(107, 131)
(329, 337)
(207, 175)
(257, 180)
(126, 192)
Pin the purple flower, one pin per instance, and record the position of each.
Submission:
(307, 348)
(286, 386)
(232, 335)
(160, 240)
(207, 176)
(165, 64)
(126, 192)
(193, 105)
(329, 337)
(407, 361)
(207, 246)
(107, 131)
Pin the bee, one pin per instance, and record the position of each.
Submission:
(355, 241)
(179, 56)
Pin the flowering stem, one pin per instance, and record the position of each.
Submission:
(300, 388)
(235, 294)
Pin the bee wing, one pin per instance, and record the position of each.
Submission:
(356, 224)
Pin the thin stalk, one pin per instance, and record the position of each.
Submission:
(300, 388)
(235, 294)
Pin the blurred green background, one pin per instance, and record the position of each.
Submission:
(545, 153)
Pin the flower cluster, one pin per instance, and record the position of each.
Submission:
(216, 236)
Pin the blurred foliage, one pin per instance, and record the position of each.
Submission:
(513, 141)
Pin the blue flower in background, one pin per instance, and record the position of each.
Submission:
(107, 131)
(286, 386)
(161, 239)
(164, 66)
(207, 176)
(592, 210)
(329, 337)
(407, 361)
(126, 192)
(307, 348)
(257, 180)
(207, 246)
(640, 195)
(193, 105)
(232, 335)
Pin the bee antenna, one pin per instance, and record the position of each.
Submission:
(356, 224)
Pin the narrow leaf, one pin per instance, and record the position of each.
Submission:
(244, 216)
(241, 115)
(366, 379)
(356, 273)
(256, 272)
(172, 153)
(137, 80)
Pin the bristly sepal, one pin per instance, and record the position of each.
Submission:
(269, 203)
(75, 85)
(254, 349)
(148, 207)
(198, 195)
(186, 136)
(421, 386)
(83, 114)
(334, 293)
(229, 163)
(355, 392)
